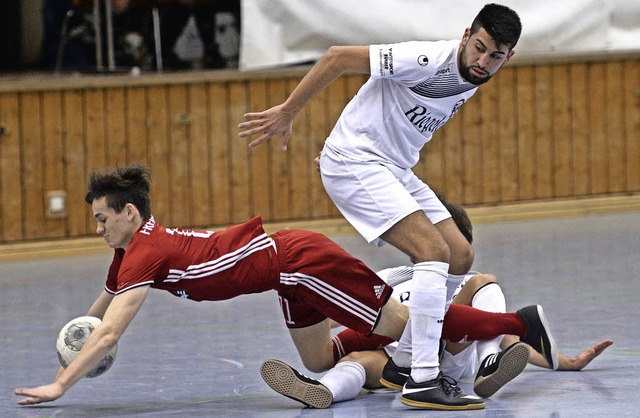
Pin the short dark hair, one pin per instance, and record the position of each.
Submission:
(120, 186)
(500, 22)
(460, 217)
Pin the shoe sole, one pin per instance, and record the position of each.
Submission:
(389, 385)
(510, 365)
(281, 378)
(441, 407)
(553, 354)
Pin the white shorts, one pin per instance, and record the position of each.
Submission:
(460, 366)
(373, 196)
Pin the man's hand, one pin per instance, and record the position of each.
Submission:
(581, 361)
(267, 124)
(40, 394)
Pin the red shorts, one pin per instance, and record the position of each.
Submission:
(320, 280)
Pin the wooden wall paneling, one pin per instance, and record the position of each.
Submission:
(262, 195)
(279, 159)
(116, 127)
(598, 124)
(157, 123)
(179, 190)
(507, 119)
(95, 141)
(544, 155)
(74, 161)
(525, 87)
(238, 156)
(220, 155)
(471, 113)
(11, 171)
(580, 129)
(615, 132)
(302, 166)
(54, 167)
(199, 155)
(136, 129)
(490, 173)
(561, 131)
(319, 128)
(31, 128)
(632, 125)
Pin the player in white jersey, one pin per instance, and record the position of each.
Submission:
(494, 361)
(414, 88)
(491, 363)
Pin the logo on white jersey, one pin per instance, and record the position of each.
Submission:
(423, 61)
(378, 290)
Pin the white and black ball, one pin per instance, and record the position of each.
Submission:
(73, 336)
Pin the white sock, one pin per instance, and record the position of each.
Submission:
(489, 298)
(426, 310)
(345, 380)
(402, 355)
(453, 281)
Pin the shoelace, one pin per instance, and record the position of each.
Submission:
(449, 385)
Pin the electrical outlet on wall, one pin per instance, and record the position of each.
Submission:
(56, 204)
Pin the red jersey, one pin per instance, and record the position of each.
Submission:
(315, 278)
(198, 265)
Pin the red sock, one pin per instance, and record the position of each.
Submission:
(465, 323)
(349, 340)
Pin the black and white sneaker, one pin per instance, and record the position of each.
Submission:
(393, 376)
(538, 333)
(287, 381)
(496, 370)
(440, 393)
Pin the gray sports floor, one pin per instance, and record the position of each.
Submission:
(185, 359)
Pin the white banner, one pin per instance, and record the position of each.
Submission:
(278, 33)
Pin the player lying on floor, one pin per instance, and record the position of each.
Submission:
(362, 364)
(314, 277)
(359, 369)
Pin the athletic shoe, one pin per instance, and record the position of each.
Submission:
(440, 393)
(538, 334)
(393, 376)
(496, 370)
(287, 381)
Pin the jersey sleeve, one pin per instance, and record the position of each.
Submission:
(408, 62)
(112, 276)
(142, 265)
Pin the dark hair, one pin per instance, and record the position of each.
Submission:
(460, 217)
(500, 22)
(121, 186)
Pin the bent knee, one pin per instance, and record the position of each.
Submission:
(435, 251)
(461, 259)
(483, 279)
(318, 365)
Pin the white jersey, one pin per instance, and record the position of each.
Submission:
(415, 88)
(459, 366)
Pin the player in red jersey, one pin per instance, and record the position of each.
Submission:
(314, 277)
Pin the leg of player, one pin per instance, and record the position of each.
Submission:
(497, 368)
(342, 383)
(314, 346)
(461, 258)
(416, 236)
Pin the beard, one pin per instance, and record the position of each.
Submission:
(465, 70)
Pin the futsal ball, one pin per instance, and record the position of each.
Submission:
(73, 336)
